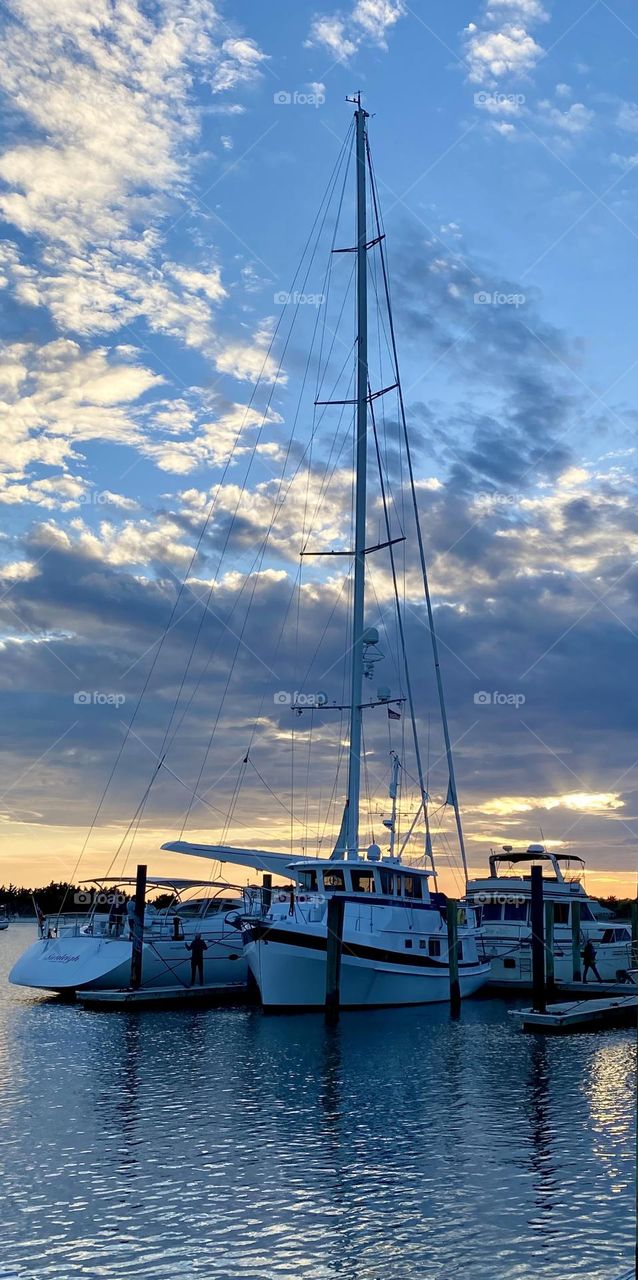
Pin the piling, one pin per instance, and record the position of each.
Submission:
(336, 906)
(576, 970)
(266, 893)
(538, 942)
(138, 928)
(453, 955)
(550, 971)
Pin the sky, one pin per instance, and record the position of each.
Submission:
(161, 167)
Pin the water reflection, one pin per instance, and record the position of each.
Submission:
(229, 1144)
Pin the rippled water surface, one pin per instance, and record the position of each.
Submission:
(226, 1143)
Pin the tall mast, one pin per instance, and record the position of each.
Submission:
(361, 453)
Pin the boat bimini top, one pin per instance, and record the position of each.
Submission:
(534, 854)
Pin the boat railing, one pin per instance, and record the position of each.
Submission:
(76, 924)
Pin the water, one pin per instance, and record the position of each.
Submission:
(232, 1145)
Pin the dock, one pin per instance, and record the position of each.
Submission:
(162, 997)
(580, 1015)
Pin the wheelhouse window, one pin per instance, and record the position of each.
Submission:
(387, 881)
(561, 913)
(334, 880)
(399, 886)
(586, 912)
(413, 887)
(308, 881)
(491, 911)
(363, 882)
(515, 911)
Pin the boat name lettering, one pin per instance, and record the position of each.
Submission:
(62, 958)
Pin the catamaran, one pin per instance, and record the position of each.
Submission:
(502, 901)
(394, 948)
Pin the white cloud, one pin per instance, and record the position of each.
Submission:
(575, 801)
(106, 91)
(367, 22)
(575, 121)
(491, 55)
(628, 117)
(54, 397)
(500, 44)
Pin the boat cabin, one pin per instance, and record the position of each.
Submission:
(564, 868)
(389, 878)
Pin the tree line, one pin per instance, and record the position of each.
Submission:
(50, 897)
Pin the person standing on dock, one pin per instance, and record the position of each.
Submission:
(197, 948)
(589, 957)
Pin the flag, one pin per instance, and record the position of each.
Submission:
(393, 715)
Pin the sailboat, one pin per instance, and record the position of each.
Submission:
(393, 942)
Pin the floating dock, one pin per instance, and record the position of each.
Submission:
(162, 997)
(580, 1015)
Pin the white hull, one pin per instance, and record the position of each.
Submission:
(511, 961)
(67, 964)
(294, 977)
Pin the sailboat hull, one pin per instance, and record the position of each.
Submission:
(68, 964)
(291, 973)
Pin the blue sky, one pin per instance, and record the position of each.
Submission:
(161, 167)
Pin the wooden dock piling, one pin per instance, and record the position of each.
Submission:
(538, 941)
(334, 943)
(453, 955)
(138, 928)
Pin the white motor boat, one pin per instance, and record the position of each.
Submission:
(502, 902)
(395, 941)
(91, 950)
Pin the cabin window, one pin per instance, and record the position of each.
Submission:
(586, 912)
(561, 913)
(408, 943)
(413, 887)
(363, 881)
(334, 880)
(387, 881)
(422, 944)
(399, 888)
(490, 911)
(308, 881)
(515, 911)
(434, 947)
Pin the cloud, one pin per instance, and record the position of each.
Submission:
(500, 44)
(574, 121)
(53, 398)
(107, 98)
(368, 22)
